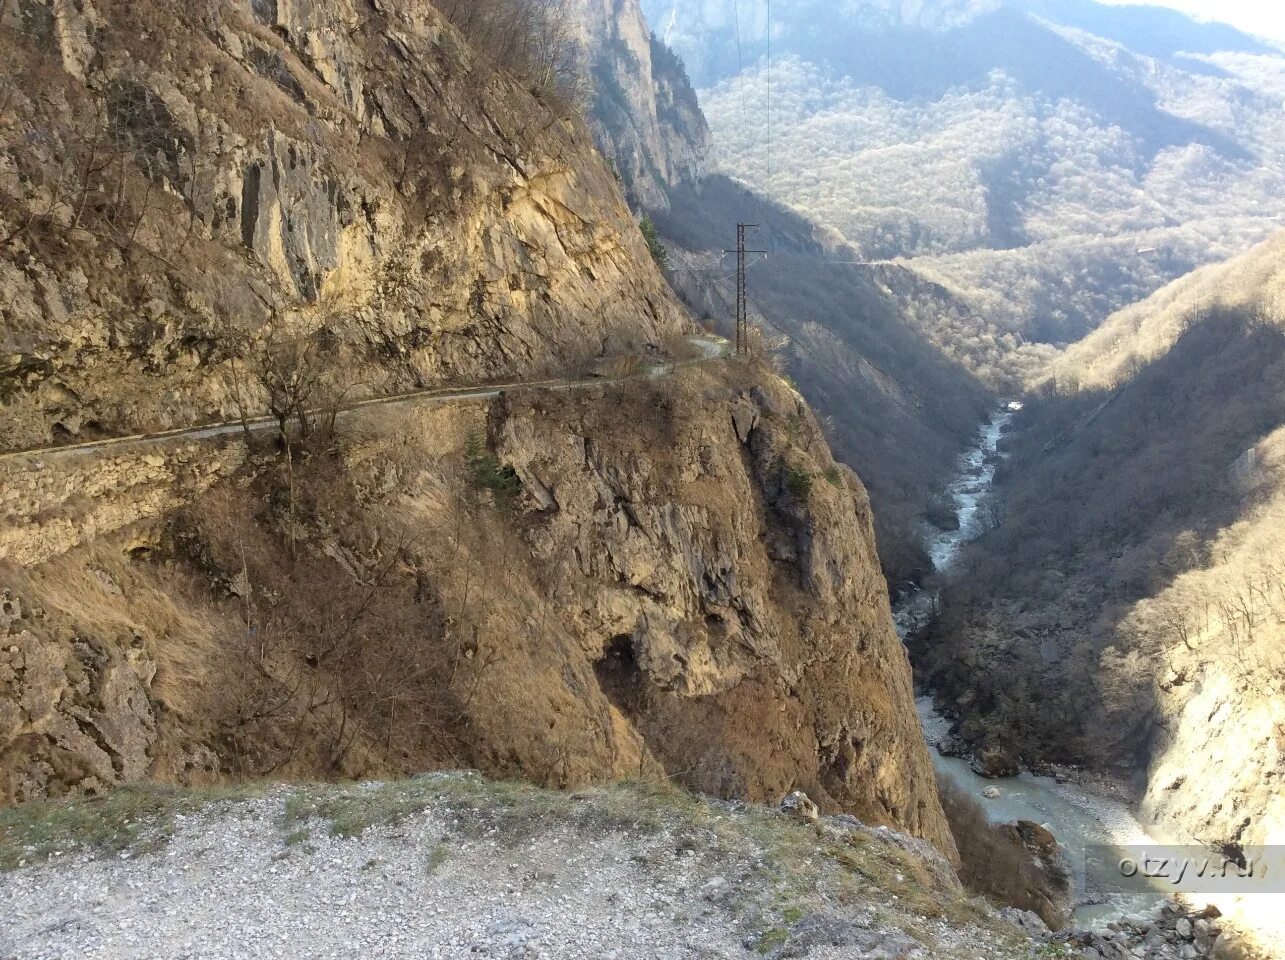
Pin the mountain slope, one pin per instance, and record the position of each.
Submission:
(862, 343)
(289, 205)
(671, 577)
(170, 213)
(1126, 612)
(856, 339)
(1045, 173)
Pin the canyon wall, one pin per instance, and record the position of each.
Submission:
(1125, 609)
(864, 342)
(644, 111)
(667, 578)
(209, 209)
(185, 186)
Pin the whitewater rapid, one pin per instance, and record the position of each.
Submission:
(1094, 830)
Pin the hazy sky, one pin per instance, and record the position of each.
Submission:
(1263, 17)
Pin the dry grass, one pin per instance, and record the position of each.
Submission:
(134, 819)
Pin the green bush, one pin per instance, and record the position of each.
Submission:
(798, 482)
(658, 251)
(489, 474)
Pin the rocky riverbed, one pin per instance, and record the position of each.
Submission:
(1170, 933)
(1090, 817)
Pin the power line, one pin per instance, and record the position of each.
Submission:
(768, 78)
(740, 58)
(736, 18)
(706, 284)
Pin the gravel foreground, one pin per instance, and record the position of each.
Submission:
(451, 866)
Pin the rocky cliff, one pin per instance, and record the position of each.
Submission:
(668, 578)
(182, 184)
(213, 208)
(644, 111)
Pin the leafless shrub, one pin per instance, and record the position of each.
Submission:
(348, 657)
(994, 862)
(535, 40)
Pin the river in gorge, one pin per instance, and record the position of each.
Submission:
(1092, 828)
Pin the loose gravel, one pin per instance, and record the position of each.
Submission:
(274, 876)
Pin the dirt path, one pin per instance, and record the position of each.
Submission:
(712, 349)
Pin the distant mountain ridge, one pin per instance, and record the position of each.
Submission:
(1143, 28)
(1048, 161)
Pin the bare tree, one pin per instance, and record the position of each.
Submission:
(294, 373)
(535, 40)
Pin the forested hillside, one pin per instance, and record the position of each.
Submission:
(1048, 163)
(1126, 607)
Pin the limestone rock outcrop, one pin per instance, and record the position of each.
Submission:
(668, 577)
(731, 597)
(645, 114)
(263, 170)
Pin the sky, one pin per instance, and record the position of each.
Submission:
(1263, 17)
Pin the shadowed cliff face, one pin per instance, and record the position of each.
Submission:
(672, 577)
(181, 181)
(644, 113)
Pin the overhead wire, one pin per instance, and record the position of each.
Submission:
(710, 283)
(740, 61)
(768, 79)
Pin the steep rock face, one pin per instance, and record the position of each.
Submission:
(76, 711)
(876, 340)
(51, 506)
(671, 577)
(737, 618)
(180, 183)
(857, 340)
(645, 113)
(667, 577)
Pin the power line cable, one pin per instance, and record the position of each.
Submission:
(768, 79)
(740, 61)
(767, 183)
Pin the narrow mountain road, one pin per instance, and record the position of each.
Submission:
(711, 348)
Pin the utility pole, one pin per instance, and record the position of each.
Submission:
(742, 300)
